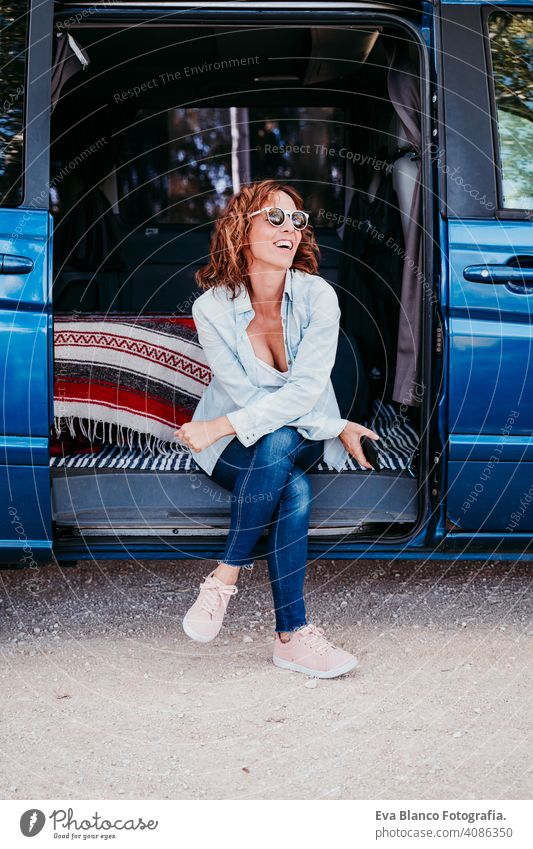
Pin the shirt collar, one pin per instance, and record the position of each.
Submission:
(242, 301)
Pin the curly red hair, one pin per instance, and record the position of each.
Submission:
(227, 264)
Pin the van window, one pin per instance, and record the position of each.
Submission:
(180, 165)
(511, 45)
(14, 24)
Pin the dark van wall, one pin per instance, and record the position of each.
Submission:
(160, 266)
(131, 258)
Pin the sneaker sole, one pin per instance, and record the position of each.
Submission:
(198, 638)
(330, 673)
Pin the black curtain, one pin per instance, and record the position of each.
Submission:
(404, 92)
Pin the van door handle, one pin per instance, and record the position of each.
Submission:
(499, 274)
(15, 264)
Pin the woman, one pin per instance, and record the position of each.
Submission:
(269, 328)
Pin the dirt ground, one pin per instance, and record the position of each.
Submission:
(103, 695)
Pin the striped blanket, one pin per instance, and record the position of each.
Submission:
(396, 450)
(126, 379)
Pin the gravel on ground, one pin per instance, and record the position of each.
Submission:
(104, 696)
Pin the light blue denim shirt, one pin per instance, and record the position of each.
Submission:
(310, 316)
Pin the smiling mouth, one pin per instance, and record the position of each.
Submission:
(284, 244)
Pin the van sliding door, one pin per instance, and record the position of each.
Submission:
(25, 314)
(488, 131)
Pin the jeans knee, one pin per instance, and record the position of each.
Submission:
(298, 492)
(278, 444)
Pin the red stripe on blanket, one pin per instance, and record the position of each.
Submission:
(118, 398)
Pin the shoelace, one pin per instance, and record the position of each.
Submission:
(213, 594)
(313, 637)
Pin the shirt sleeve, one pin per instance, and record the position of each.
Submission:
(223, 362)
(308, 379)
(320, 426)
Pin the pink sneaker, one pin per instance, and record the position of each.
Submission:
(308, 651)
(203, 620)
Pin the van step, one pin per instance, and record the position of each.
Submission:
(194, 532)
(151, 500)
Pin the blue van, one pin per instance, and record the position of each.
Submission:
(408, 129)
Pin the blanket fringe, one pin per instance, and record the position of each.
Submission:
(115, 435)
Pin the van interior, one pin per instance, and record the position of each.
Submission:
(153, 132)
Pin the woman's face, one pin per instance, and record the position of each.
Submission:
(269, 245)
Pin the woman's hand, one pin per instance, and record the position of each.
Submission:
(351, 439)
(199, 435)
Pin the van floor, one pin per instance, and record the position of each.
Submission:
(126, 488)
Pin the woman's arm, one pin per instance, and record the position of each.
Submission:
(309, 377)
(224, 365)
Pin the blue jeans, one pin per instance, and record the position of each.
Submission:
(271, 488)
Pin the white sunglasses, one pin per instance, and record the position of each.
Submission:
(277, 216)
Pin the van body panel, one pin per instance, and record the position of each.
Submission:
(462, 546)
(479, 4)
(26, 320)
(24, 325)
(491, 337)
(489, 327)
(15, 450)
(490, 494)
(25, 524)
(511, 449)
(25, 342)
